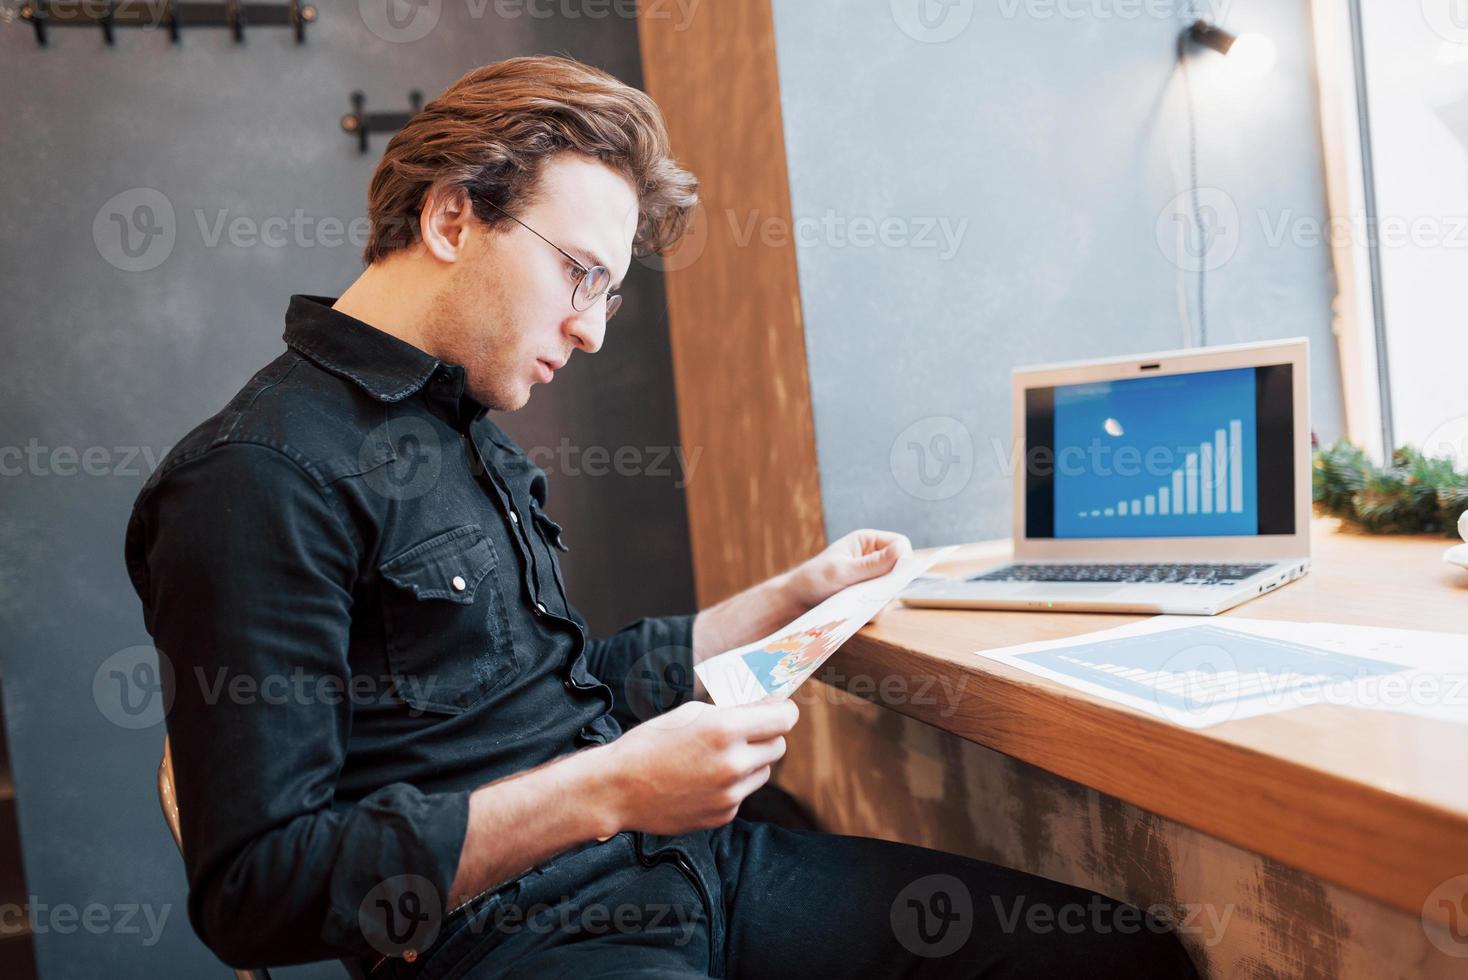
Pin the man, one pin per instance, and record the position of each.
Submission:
(448, 784)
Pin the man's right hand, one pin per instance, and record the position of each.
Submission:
(689, 769)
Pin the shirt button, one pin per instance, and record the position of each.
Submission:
(459, 584)
(540, 609)
(514, 517)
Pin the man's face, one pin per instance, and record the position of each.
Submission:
(507, 315)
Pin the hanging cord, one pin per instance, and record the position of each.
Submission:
(1182, 59)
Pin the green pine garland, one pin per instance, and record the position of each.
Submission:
(1413, 495)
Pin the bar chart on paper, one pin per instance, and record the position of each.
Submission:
(1163, 457)
(1198, 674)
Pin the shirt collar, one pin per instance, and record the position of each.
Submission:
(385, 367)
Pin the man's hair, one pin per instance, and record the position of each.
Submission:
(494, 128)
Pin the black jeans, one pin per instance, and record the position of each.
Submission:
(757, 900)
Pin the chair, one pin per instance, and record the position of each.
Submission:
(169, 803)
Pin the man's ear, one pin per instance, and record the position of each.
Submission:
(445, 222)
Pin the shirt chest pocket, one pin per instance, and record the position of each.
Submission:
(447, 632)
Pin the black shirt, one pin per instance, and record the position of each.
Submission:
(354, 591)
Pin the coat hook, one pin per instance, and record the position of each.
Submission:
(174, 14)
(362, 123)
(37, 17)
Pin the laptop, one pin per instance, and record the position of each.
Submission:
(1176, 483)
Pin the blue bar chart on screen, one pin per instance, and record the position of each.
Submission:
(1173, 456)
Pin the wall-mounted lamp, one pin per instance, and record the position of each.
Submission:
(1250, 54)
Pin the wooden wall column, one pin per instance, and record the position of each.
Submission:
(738, 342)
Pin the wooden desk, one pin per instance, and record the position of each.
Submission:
(1339, 823)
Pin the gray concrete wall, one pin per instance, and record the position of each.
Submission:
(981, 185)
(124, 362)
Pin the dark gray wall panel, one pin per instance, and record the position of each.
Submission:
(96, 356)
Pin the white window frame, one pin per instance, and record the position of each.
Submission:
(1358, 321)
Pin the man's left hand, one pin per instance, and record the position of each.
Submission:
(854, 558)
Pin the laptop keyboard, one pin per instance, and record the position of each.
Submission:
(1192, 574)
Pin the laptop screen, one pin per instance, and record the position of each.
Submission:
(1170, 456)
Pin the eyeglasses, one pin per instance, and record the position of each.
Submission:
(591, 284)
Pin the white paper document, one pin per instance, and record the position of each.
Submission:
(1197, 674)
(779, 663)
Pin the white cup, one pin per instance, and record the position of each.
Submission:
(1463, 525)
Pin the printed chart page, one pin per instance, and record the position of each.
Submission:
(779, 663)
(1201, 674)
